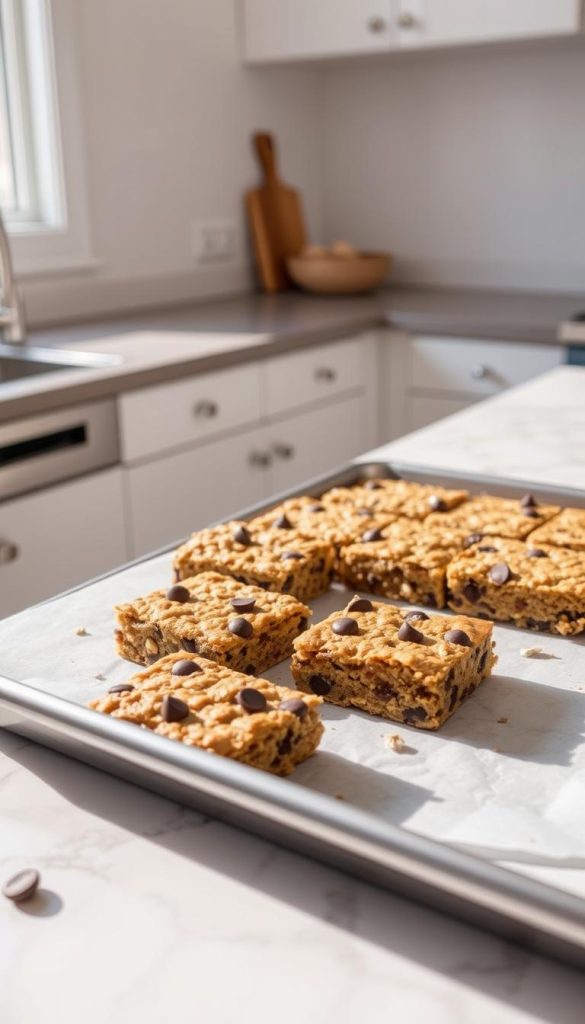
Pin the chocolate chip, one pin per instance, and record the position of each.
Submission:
(366, 512)
(345, 626)
(240, 627)
(528, 501)
(370, 535)
(414, 715)
(316, 508)
(282, 523)
(251, 700)
(291, 554)
(320, 686)
(457, 636)
(437, 504)
(22, 886)
(409, 633)
(499, 573)
(173, 709)
(243, 604)
(284, 747)
(536, 553)
(415, 616)
(178, 593)
(472, 592)
(372, 485)
(487, 547)
(530, 513)
(250, 670)
(190, 645)
(472, 538)
(384, 691)
(295, 705)
(360, 604)
(121, 688)
(241, 536)
(185, 668)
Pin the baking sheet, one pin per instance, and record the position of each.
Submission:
(504, 779)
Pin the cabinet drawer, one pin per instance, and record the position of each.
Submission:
(169, 415)
(314, 373)
(477, 367)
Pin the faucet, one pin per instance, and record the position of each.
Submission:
(12, 322)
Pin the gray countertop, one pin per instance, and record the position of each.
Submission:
(224, 332)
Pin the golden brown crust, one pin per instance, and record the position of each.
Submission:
(336, 524)
(275, 739)
(493, 517)
(396, 497)
(567, 530)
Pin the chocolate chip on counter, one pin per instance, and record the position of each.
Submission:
(190, 645)
(409, 633)
(178, 593)
(242, 536)
(320, 686)
(472, 591)
(437, 504)
(292, 554)
(282, 523)
(316, 507)
(295, 705)
(371, 535)
(243, 604)
(536, 553)
(345, 626)
(487, 548)
(121, 688)
(457, 636)
(472, 538)
(173, 709)
(415, 616)
(530, 513)
(22, 886)
(241, 627)
(251, 700)
(372, 485)
(360, 604)
(500, 573)
(528, 501)
(185, 668)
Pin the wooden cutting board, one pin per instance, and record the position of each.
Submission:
(276, 219)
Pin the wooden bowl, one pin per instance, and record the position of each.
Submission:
(330, 275)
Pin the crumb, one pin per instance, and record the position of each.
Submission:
(339, 796)
(81, 631)
(100, 676)
(531, 652)
(396, 742)
(503, 720)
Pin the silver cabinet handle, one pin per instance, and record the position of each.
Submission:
(205, 409)
(9, 552)
(376, 24)
(480, 371)
(407, 20)
(326, 373)
(262, 460)
(283, 450)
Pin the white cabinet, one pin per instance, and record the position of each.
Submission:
(448, 22)
(315, 374)
(278, 30)
(56, 538)
(422, 410)
(476, 367)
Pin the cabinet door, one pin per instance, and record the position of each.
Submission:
(314, 442)
(422, 410)
(477, 367)
(59, 537)
(294, 29)
(170, 497)
(446, 22)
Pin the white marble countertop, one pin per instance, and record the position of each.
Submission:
(151, 912)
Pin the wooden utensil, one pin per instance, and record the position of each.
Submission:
(276, 219)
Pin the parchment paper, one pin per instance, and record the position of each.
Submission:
(504, 779)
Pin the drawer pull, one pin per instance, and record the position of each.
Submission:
(283, 450)
(376, 24)
(8, 552)
(262, 460)
(206, 409)
(407, 20)
(325, 373)
(480, 372)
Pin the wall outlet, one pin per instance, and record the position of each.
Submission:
(214, 242)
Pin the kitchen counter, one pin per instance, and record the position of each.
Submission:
(151, 911)
(162, 345)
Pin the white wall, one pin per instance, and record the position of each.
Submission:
(469, 165)
(168, 117)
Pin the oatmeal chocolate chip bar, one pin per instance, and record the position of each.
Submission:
(404, 560)
(397, 497)
(245, 627)
(338, 524)
(407, 666)
(567, 530)
(489, 516)
(275, 559)
(533, 587)
(207, 705)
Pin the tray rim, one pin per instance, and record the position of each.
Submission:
(524, 909)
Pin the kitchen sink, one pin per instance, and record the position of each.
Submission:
(18, 361)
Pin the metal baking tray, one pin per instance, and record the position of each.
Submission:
(518, 907)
